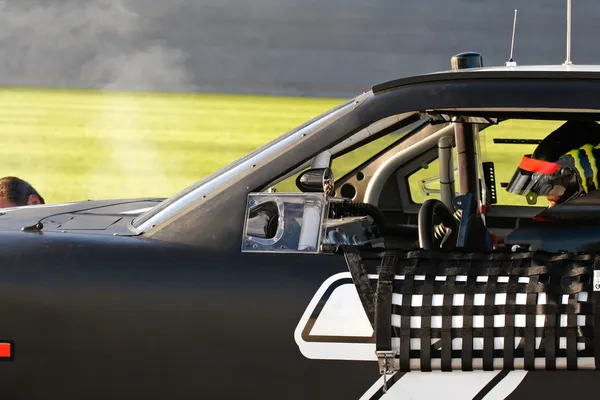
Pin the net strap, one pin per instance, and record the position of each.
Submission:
(361, 281)
(596, 294)
(383, 302)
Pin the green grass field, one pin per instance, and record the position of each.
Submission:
(78, 145)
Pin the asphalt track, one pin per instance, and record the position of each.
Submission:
(332, 48)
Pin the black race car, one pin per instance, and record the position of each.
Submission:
(348, 258)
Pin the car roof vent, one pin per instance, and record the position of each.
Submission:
(466, 60)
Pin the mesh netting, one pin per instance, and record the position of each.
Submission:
(449, 311)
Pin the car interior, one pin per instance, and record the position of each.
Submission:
(433, 180)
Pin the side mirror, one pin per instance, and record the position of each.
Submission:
(284, 222)
(318, 180)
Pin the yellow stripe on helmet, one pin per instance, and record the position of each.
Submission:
(575, 155)
(589, 150)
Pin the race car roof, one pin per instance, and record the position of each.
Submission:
(519, 72)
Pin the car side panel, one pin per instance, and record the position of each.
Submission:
(126, 319)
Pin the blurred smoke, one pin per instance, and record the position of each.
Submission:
(134, 168)
(85, 44)
(293, 47)
(100, 44)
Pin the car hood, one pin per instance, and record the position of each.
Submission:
(110, 217)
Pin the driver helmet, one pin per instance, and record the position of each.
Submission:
(564, 165)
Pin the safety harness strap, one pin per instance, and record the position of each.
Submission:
(361, 281)
(386, 354)
(383, 302)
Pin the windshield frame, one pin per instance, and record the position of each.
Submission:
(180, 200)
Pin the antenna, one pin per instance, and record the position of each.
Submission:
(511, 62)
(568, 60)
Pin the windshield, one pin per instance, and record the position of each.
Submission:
(175, 202)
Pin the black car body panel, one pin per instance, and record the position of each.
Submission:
(101, 216)
(550, 72)
(115, 317)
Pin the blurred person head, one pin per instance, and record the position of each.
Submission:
(15, 192)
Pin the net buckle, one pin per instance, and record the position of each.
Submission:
(388, 364)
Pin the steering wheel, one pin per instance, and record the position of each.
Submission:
(427, 227)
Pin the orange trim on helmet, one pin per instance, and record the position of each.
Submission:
(543, 167)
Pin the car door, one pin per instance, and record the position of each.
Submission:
(121, 318)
